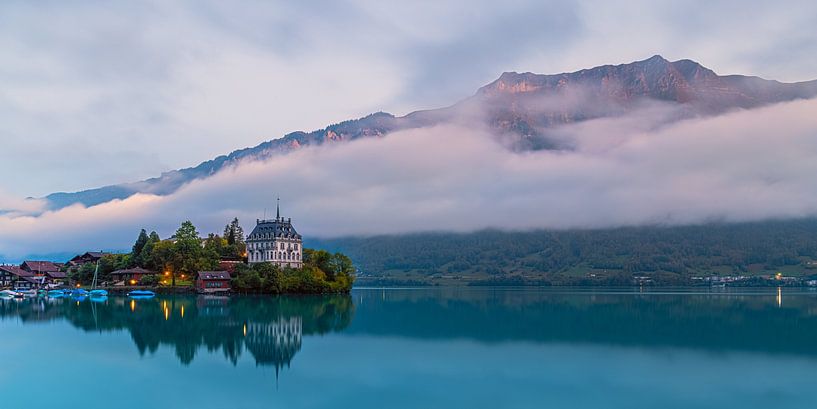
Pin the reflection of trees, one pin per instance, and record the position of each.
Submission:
(269, 328)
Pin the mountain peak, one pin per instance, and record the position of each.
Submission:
(514, 107)
(657, 58)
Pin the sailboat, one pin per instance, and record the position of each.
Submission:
(96, 293)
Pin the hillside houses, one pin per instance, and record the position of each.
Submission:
(89, 257)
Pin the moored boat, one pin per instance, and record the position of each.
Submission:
(10, 294)
(98, 293)
(79, 292)
(26, 292)
(141, 294)
(57, 293)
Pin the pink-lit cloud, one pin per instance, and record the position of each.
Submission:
(746, 165)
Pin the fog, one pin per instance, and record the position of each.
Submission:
(634, 170)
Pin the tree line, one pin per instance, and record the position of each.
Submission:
(673, 254)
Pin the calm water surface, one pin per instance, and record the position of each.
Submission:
(416, 348)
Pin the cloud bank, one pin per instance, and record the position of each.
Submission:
(105, 93)
(746, 165)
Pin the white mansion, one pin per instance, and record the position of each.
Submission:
(275, 241)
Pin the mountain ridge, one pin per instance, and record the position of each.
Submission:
(524, 107)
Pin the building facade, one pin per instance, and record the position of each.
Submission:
(275, 241)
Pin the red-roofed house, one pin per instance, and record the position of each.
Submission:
(213, 281)
(39, 268)
(46, 269)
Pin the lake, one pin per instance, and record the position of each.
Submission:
(416, 348)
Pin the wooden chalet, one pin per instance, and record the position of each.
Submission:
(89, 257)
(130, 276)
(39, 268)
(9, 275)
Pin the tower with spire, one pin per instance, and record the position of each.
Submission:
(275, 241)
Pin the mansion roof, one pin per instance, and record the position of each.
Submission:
(269, 229)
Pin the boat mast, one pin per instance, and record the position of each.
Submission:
(96, 270)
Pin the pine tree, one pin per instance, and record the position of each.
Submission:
(140, 244)
(234, 233)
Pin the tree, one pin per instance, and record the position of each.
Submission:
(149, 280)
(187, 255)
(145, 257)
(216, 245)
(141, 241)
(161, 256)
(187, 231)
(187, 251)
(233, 233)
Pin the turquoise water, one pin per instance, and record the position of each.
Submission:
(416, 348)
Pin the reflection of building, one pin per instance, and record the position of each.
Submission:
(274, 343)
(276, 242)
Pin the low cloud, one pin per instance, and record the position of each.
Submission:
(636, 170)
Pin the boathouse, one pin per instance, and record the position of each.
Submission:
(213, 282)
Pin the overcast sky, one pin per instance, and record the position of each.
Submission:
(96, 93)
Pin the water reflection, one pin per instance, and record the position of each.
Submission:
(269, 329)
(725, 319)
(418, 348)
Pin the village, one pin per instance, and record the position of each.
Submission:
(35, 276)
(270, 260)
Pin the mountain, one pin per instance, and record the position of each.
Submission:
(523, 108)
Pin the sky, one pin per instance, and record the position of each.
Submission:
(99, 93)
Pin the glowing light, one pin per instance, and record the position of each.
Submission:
(182, 311)
(167, 314)
(133, 305)
(167, 273)
(779, 297)
(245, 330)
(77, 285)
(132, 282)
